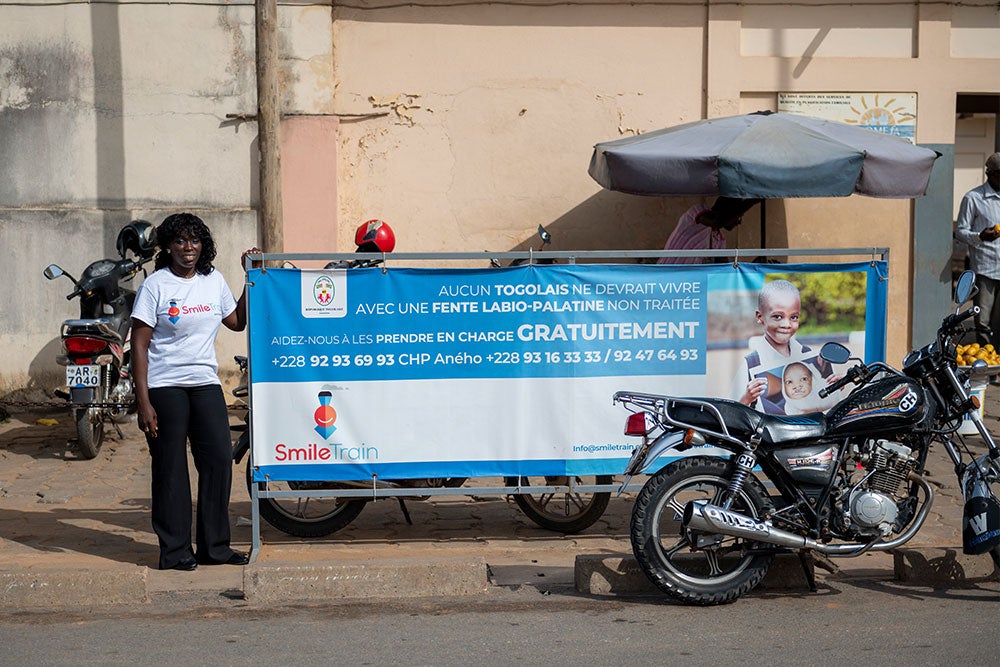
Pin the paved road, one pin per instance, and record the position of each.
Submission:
(846, 622)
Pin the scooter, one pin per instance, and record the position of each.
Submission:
(99, 385)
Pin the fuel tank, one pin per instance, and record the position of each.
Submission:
(887, 405)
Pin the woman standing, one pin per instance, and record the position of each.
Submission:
(175, 320)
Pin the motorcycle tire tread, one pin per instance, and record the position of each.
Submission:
(641, 537)
(89, 435)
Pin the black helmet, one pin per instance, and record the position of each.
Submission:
(137, 236)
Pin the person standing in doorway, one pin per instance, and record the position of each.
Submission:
(979, 228)
(176, 318)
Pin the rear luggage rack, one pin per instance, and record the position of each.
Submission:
(660, 406)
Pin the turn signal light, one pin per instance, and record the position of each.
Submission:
(975, 401)
(637, 424)
(694, 438)
(83, 345)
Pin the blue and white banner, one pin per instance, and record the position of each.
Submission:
(412, 373)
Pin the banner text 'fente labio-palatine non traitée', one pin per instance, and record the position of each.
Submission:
(407, 373)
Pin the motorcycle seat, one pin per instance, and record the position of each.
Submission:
(743, 422)
(780, 429)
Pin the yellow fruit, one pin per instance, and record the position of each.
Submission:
(989, 346)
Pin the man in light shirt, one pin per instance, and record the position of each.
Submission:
(979, 228)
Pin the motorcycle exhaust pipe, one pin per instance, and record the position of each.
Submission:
(701, 516)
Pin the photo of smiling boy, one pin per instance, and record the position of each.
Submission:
(759, 381)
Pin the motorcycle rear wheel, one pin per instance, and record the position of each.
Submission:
(568, 512)
(306, 517)
(715, 574)
(89, 431)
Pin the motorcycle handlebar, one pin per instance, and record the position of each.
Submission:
(852, 376)
(952, 321)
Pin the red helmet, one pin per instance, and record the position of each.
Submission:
(374, 236)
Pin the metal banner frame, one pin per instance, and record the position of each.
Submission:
(375, 491)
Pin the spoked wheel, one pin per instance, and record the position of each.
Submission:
(720, 568)
(565, 512)
(89, 431)
(307, 517)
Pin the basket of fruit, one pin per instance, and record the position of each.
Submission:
(973, 352)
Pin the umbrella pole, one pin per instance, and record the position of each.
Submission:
(763, 223)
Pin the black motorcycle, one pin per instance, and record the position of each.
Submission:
(96, 345)
(705, 529)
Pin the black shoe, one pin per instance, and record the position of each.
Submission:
(238, 558)
(185, 565)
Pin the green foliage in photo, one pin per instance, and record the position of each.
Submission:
(831, 302)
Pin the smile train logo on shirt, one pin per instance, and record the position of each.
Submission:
(173, 313)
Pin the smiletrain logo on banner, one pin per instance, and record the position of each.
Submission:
(407, 373)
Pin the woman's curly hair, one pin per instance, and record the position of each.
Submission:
(190, 226)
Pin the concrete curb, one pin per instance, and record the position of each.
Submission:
(620, 574)
(73, 587)
(441, 577)
(604, 575)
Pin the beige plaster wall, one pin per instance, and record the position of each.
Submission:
(464, 126)
(492, 116)
(114, 111)
(493, 112)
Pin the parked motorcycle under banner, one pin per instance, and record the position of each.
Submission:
(705, 529)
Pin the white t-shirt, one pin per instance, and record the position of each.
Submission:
(185, 314)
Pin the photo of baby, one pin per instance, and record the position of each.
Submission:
(801, 385)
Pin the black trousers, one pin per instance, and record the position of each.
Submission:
(988, 300)
(198, 414)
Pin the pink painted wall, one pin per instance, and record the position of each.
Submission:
(309, 184)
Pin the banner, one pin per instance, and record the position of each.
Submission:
(414, 373)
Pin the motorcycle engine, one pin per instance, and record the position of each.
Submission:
(872, 506)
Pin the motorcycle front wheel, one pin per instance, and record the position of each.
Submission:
(566, 512)
(722, 568)
(306, 517)
(89, 431)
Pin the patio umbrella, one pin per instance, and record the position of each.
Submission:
(763, 155)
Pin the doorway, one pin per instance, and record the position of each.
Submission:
(977, 136)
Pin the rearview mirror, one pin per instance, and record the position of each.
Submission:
(963, 288)
(835, 353)
(52, 272)
(544, 234)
